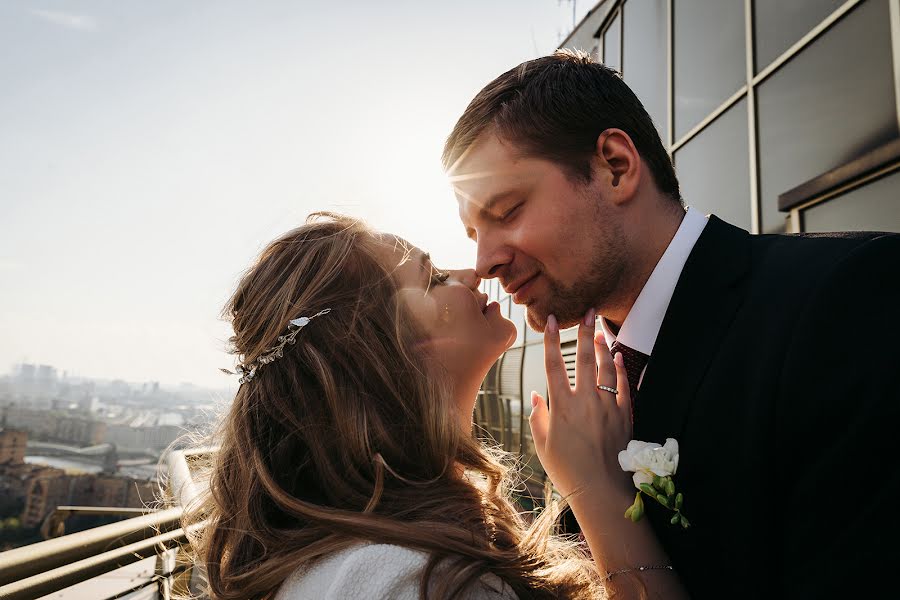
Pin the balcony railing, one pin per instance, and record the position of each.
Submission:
(56, 564)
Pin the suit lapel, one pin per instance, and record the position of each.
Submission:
(703, 305)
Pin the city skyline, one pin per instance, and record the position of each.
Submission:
(151, 150)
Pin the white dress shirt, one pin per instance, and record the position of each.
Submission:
(641, 326)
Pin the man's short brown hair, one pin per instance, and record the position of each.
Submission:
(555, 107)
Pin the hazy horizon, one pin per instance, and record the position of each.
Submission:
(150, 150)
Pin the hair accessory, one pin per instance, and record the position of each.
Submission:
(247, 371)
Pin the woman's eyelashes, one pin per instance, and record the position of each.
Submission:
(439, 277)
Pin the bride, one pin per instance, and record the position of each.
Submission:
(347, 466)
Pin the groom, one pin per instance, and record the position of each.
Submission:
(771, 359)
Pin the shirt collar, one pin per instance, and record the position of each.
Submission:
(641, 326)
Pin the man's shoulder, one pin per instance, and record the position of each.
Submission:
(792, 246)
(803, 259)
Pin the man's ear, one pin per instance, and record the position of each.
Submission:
(618, 164)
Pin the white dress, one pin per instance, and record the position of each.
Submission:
(376, 571)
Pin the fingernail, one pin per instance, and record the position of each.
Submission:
(552, 326)
(590, 317)
(534, 399)
(619, 360)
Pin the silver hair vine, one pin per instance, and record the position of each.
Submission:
(247, 371)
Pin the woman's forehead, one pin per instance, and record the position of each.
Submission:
(403, 260)
(399, 251)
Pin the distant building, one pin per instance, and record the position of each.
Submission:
(40, 424)
(80, 431)
(56, 426)
(12, 446)
(152, 437)
(40, 490)
(45, 489)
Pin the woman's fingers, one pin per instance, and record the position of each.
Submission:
(539, 420)
(557, 378)
(624, 396)
(585, 359)
(606, 370)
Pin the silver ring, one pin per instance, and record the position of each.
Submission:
(606, 388)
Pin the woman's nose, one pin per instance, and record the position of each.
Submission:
(467, 277)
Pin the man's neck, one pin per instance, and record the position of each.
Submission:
(645, 253)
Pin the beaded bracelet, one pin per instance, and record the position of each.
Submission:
(641, 568)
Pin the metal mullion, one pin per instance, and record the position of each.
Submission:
(622, 39)
(670, 84)
(848, 187)
(895, 52)
(755, 208)
(807, 39)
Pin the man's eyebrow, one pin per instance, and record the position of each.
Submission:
(485, 209)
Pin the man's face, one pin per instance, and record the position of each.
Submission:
(553, 243)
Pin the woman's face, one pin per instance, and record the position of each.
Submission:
(463, 332)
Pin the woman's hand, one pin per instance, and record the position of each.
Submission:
(579, 436)
(578, 440)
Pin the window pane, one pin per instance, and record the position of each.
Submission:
(612, 44)
(644, 57)
(713, 168)
(830, 104)
(778, 24)
(710, 60)
(873, 207)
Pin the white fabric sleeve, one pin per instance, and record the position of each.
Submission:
(377, 571)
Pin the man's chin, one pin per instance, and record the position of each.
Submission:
(537, 318)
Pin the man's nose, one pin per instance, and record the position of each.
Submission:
(467, 277)
(491, 259)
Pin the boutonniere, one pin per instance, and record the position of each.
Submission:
(653, 467)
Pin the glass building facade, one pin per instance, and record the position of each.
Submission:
(780, 117)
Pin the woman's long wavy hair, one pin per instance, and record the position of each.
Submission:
(351, 437)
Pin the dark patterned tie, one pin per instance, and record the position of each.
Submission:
(635, 361)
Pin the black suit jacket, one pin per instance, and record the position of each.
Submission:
(776, 368)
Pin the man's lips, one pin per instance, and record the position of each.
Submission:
(519, 288)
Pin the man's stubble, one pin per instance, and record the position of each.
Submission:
(597, 287)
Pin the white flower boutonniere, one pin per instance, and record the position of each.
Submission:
(653, 467)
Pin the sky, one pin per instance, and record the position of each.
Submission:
(149, 151)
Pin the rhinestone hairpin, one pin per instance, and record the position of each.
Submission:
(247, 371)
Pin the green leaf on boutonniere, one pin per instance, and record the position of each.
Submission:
(670, 487)
(659, 483)
(663, 500)
(679, 501)
(675, 519)
(684, 521)
(648, 489)
(637, 509)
